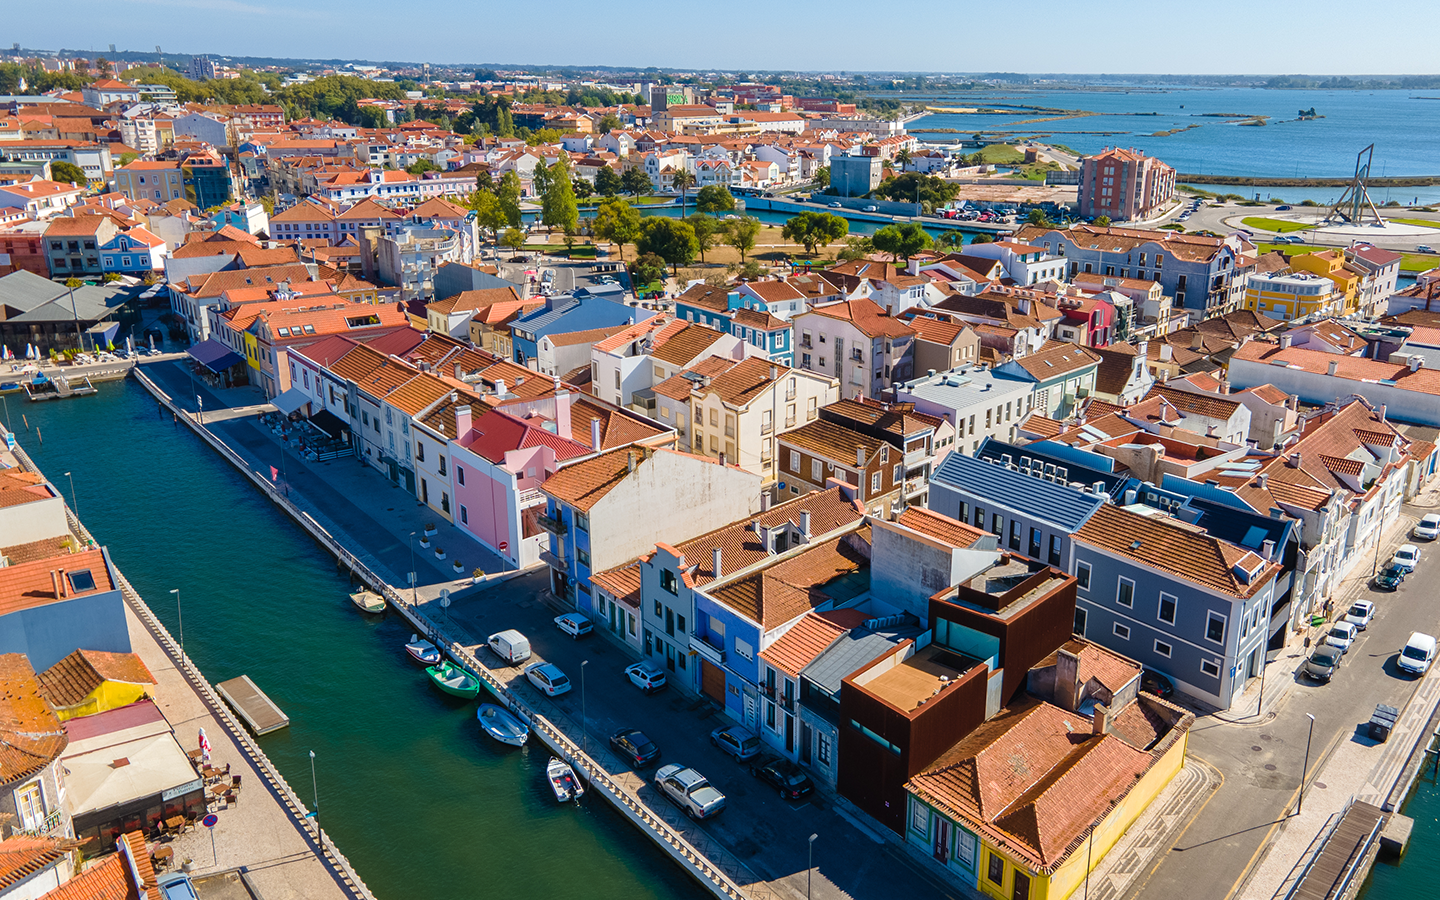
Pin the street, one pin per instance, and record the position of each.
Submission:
(1261, 758)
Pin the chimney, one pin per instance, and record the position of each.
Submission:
(722, 459)
(63, 584)
(805, 522)
(1067, 679)
(763, 533)
(1380, 413)
(459, 373)
(715, 562)
(499, 387)
(1293, 402)
(1333, 367)
(774, 372)
(1167, 352)
(595, 435)
(1262, 480)
(1102, 719)
(1415, 362)
(1210, 430)
(55, 583)
(1197, 342)
(1267, 550)
(630, 461)
(764, 500)
(1295, 460)
(1286, 340)
(562, 413)
(462, 420)
(860, 457)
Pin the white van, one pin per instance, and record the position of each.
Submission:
(511, 646)
(1419, 652)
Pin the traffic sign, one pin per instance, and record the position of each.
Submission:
(504, 546)
(210, 820)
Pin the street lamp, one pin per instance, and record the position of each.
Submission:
(413, 600)
(811, 865)
(181, 614)
(1300, 804)
(315, 789)
(74, 501)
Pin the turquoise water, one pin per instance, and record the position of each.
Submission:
(421, 803)
(1419, 872)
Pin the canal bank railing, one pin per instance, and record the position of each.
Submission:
(709, 863)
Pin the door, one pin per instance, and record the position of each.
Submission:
(942, 839)
(805, 741)
(1022, 886)
(712, 681)
(789, 733)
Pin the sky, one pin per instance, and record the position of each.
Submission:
(1316, 37)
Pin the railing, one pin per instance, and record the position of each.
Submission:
(787, 702)
(530, 497)
(555, 562)
(708, 650)
(50, 823)
(553, 524)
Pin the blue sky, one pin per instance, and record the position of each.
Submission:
(1080, 36)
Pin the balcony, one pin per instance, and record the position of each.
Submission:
(915, 486)
(555, 525)
(787, 702)
(531, 497)
(707, 650)
(916, 457)
(52, 823)
(554, 561)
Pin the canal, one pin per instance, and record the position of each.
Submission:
(418, 799)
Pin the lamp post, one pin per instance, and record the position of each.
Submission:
(413, 600)
(74, 501)
(181, 614)
(1300, 803)
(810, 866)
(315, 789)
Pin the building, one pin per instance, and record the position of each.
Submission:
(978, 401)
(859, 343)
(567, 314)
(32, 780)
(1406, 388)
(157, 181)
(207, 180)
(1024, 264)
(854, 176)
(1061, 374)
(942, 343)
(92, 681)
(1125, 185)
(73, 244)
(818, 451)
(201, 68)
(38, 198)
(453, 315)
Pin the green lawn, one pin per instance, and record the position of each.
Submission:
(1279, 226)
(1410, 262)
(1001, 155)
(1423, 223)
(581, 251)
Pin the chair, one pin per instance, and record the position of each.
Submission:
(232, 798)
(235, 782)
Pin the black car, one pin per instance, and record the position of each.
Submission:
(1157, 684)
(1390, 577)
(782, 774)
(634, 746)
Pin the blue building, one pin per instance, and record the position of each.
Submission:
(565, 314)
(745, 316)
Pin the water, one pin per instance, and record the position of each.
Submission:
(1404, 128)
(419, 800)
(1419, 872)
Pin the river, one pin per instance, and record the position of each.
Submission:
(421, 803)
(1419, 872)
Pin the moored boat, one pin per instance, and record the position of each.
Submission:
(563, 781)
(454, 680)
(368, 601)
(502, 725)
(422, 651)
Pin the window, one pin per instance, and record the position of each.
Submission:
(1080, 616)
(1210, 667)
(995, 871)
(1125, 592)
(1121, 631)
(460, 475)
(464, 515)
(1014, 535)
(1163, 649)
(810, 410)
(817, 471)
(30, 803)
(420, 450)
(1167, 608)
(1054, 549)
(582, 557)
(1082, 575)
(1215, 628)
(582, 521)
(822, 749)
(875, 483)
(997, 524)
(919, 818)
(667, 581)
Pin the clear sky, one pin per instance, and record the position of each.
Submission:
(1316, 37)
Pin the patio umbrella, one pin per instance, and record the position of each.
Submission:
(30, 351)
(129, 344)
(204, 747)
(152, 342)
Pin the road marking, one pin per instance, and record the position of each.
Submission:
(1139, 888)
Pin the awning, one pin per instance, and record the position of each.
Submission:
(291, 400)
(329, 423)
(214, 355)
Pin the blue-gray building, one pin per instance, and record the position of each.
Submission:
(854, 176)
(568, 313)
(744, 316)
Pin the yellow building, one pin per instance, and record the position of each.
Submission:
(1035, 833)
(93, 681)
(1292, 295)
(1332, 264)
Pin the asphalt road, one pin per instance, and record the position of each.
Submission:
(1261, 759)
(1211, 218)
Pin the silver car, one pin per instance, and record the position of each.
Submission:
(689, 790)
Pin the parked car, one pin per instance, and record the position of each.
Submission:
(1428, 528)
(1424, 248)
(575, 624)
(633, 746)
(740, 743)
(1155, 683)
(1360, 614)
(510, 645)
(646, 676)
(1406, 557)
(177, 886)
(1341, 636)
(1389, 578)
(689, 790)
(1417, 654)
(781, 773)
(548, 678)
(1322, 663)
(1282, 207)
(834, 204)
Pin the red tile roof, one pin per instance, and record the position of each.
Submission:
(31, 736)
(1171, 547)
(867, 317)
(940, 527)
(33, 584)
(799, 646)
(22, 856)
(71, 680)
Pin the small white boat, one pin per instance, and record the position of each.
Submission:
(563, 781)
(368, 601)
(422, 651)
(502, 725)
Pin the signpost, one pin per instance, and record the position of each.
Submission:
(209, 822)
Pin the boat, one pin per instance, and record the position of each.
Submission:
(502, 725)
(368, 601)
(454, 680)
(422, 651)
(563, 781)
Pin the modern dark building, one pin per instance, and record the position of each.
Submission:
(207, 181)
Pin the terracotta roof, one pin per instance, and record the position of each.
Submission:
(1057, 359)
(585, 483)
(33, 584)
(1188, 247)
(466, 301)
(683, 345)
(799, 646)
(867, 317)
(1110, 669)
(1196, 556)
(899, 419)
(1207, 405)
(22, 856)
(588, 336)
(76, 226)
(940, 527)
(71, 680)
(44, 548)
(792, 587)
(679, 387)
(1318, 362)
(419, 393)
(31, 736)
(622, 583)
(758, 319)
(706, 296)
(833, 442)
(1038, 423)
(17, 487)
(937, 331)
(617, 427)
(746, 380)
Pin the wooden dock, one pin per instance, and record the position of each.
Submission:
(258, 710)
(1340, 867)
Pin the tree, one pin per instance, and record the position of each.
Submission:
(103, 66)
(902, 158)
(72, 281)
(125, 159)
(646, 270)
(484, 180)
(488, 214)
(1102, 221)
(741, 234)
(982, 239)
(950, 240)
(617, 222)
(748, 270)
(815, 229)
(370, 117)
(901, 241)
(609, 123)
(1038, 217)
(608, 183)
(912, 187)
(557, 209)
(705, 229)
(540, 179)
(110, 278)
(714, 198)
(513, 238)
(635, 182)
(682, 180)
(509, 196)
(582, 188)
(822, 177)
(421, 166)
(670, 239)
(68, 173)
(857, 247)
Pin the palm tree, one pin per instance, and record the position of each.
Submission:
(902, 157)
(682, 180)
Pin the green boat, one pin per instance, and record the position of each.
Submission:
(454, 680)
